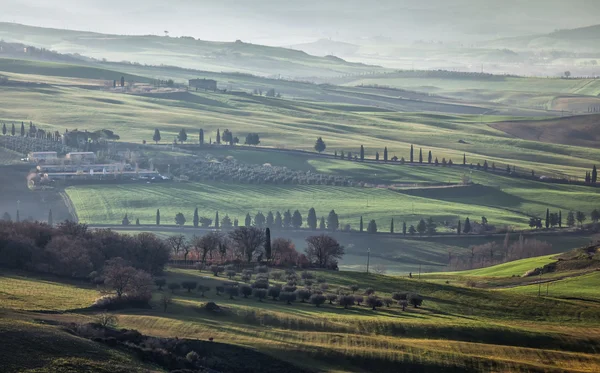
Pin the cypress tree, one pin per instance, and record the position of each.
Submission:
(196, 218)
(385, 154)
(429, 157)
(458, 228)
(464, 159)
(404, 228)
(594, 175)
(560, 218)
(392, 226)
(157, 217)
(547, 218)
(12, 130)
(156, 137)
(201, 136)
(361, 224)
(50, 220)
(268, 244)
(18, 217)
(3, 128)
(248, 221)
(311, 219)
(217, 220)
(411, 154)
(362, 153)
(467, 227)
(218, 136)
(322, 223)
(377, 156)
(22, 129)
(420, 155)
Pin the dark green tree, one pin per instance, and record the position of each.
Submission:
(547, 218)
(12, 130)
(287, 219)
(320, 145)
(226, 222)
(217, 220)
(458, 228)
(420, 155)
(464, 159)
(259, 220)
(392, 226)
(377, 156)
(182, 137)
(595, 215)
(180, 219)
(157, 217)
(50, 219)
(372, 227)
(270, 219)
(125, 220)
(361, 225)
(560, 218)
(580, 216)
(333, 223)
(431, 226)
(22, 129)
(412, 230)
(218, 136)
(362, 150)
(278, 222)
(385, 154)
(201, 136)
(4, 129)
(296, 220)
(404, 228)
(322, 223)
(268, 244)
(594, 175)
(422, 227)
(429, 157)
(467, 227)
(196, 219)
(412, 159)
(248, 221)
(156, 137)
(311, 219)
(570, 219)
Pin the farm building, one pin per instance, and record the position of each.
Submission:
(206, 84)
(81, 156)
(112, 167)
(42, 156)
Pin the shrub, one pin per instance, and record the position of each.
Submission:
(317, 299)
(231, 274)
(289, 288)
(203, 289)
(246, 290)
(303, 294)
(277, 275)
(346, 301)
(232, 291)
(114, 302)
(160, 282)
(260, 294)
(307, 275)
(321, 280)
(189, 285)
(262, 269)
(288, 297)
(324, 286)
(369, 291)
(192, 356)
(359, 299)
(374, 302)
(398, 296)
(415, 299)
(308, 283)
(388, 302)
(220, 289)
(274, 292)
(331, 298)
(246, 277)
(214, 269)
(174, 286)
(354, 288)
(261, 284)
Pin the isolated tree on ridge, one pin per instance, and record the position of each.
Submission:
(156, 137)
(320, 145)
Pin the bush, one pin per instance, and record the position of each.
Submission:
(331, 298)
(398, 296)
(231, 274)
(174, 286)
(246, 277)
(388, 302)
(324, 286)
(203, 289)
(189, 285)
(114, 302)
(246, 290)
(192, 356)
(359, 299)
(307, 275)
(369, 291)
(262, 269)
(308, 283)
(232, 291)
(160, 282)
(214, 269)
(261, 284)
(354, 288)
(317, 299)
(374, 302)
(415, 299)
(303, 294)
(220, 289)
(277, 275)
(346, 301)
(321, 280)
(274, 292)
(260, 294)
(287, 297)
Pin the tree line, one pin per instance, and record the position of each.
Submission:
(226, 137)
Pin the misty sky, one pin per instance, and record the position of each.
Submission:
(284, 22)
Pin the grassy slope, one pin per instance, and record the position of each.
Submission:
(458, 328)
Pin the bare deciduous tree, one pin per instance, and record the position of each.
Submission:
(323, 250)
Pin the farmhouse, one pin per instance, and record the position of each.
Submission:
(206, 84)
(42, 156)
(81, 156)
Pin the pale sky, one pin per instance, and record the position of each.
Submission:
(281, 22)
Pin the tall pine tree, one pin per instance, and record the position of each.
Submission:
(594, 175)
(248, 220)
(196, 219)
(458, 228)
(322, 223)
(268, 244)
(12, 130)
(464, 159)
(311, 219)
(218, 136)
(547, 218)
(362, 153)
(157, 217)
(429, 157)
(560, 218)
(22, 129)
(412, 159)
(4, 129)
(361, 224)
(467, 227)
(420, 155)
(201, 136)
(392, 226)
(217, 220)
(156, 137)
(404, 228)
(385, 154)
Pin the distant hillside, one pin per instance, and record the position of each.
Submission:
(185, 52)
(582, 39)
(582, 130)
(325, 47)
